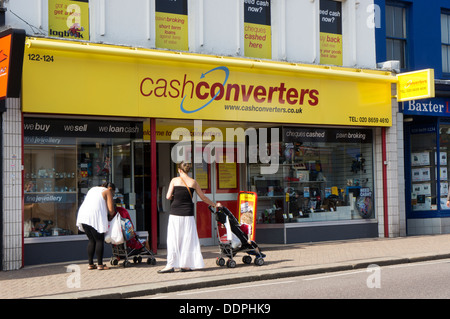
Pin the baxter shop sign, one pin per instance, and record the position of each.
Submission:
(433, 107)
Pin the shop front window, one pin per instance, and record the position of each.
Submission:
(50, 199)
(444, 153)
(424, 174)
(323, 175)
(64, 159)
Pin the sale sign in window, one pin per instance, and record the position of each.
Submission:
(330, 32)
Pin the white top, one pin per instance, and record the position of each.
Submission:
(93, 211)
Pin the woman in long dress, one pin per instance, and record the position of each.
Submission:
(183, 246)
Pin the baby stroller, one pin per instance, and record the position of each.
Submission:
(231, 248)
(132, 248)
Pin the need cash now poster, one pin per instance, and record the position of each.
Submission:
(330, 32)
(68, 19)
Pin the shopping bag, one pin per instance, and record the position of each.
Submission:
(128, 229)
(114, 234)
(108, 234)
(228, 228)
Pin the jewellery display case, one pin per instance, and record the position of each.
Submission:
(50, 194)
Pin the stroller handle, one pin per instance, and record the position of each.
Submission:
(216, 210)
(211, 208)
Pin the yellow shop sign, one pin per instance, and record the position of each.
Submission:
(64, 77)
(415, 85)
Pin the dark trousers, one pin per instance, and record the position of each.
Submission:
(95, 245)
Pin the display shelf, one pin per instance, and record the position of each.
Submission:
(50, 198)
(290, 196)
(423, 177)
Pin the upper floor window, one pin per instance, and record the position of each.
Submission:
(396, 34)
(445, 41)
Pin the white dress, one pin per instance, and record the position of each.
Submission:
(183, 245)
(93, 211)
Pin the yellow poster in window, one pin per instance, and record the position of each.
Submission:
(258, 41)
(171, 25)
(68, 19)
(202, 176)
(330, 16)
(171, 31)
(330, 48)
(257, 29)
(227, 175)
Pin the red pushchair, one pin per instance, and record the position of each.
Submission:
(134, 248)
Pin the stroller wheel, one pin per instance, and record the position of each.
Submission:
(114, 261)
(247, 259)
(220, 261)
(151, 261)
(231, 263)
(126, 263)
(259, 261)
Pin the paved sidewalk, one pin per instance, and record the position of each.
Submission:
(57, 282)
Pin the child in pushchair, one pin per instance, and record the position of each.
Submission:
(134, 247)
(240, 238)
